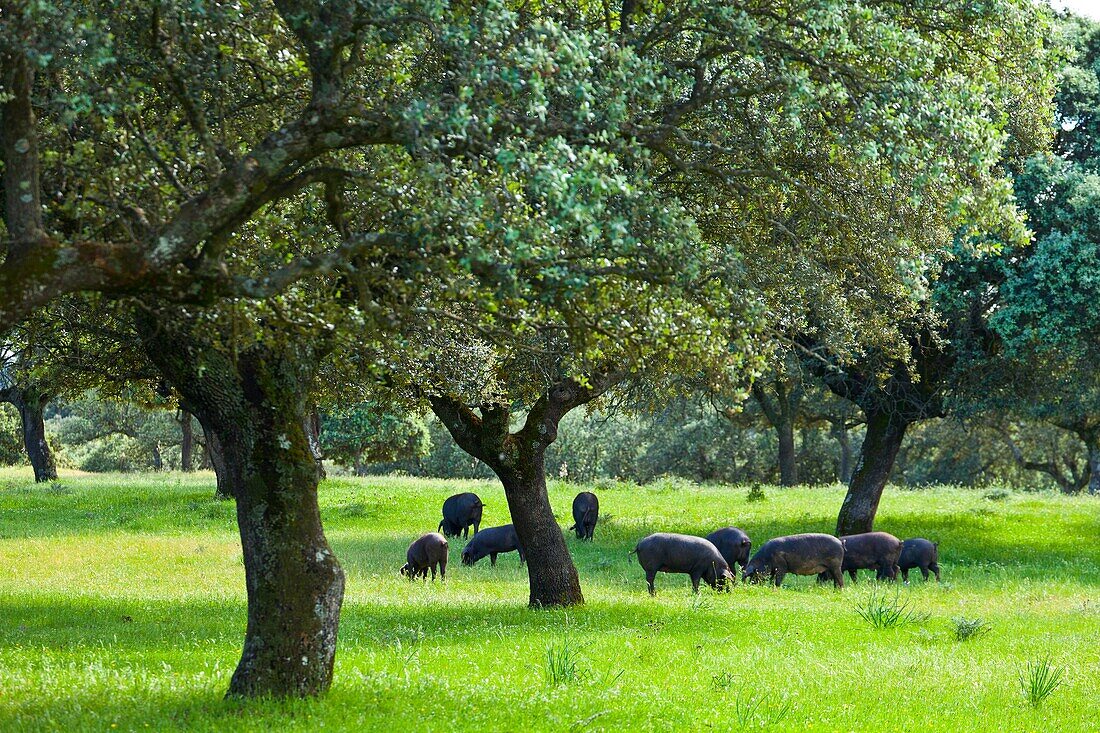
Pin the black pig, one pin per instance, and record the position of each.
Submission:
(878, 551)
(734, 545)
(426, 553)
(459, 512)
(680, 553)
(919, 553)
(586, 511)
(491, 541)
(801, 554)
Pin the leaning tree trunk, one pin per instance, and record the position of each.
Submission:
(32, 408)
(252, 405)
(885, 432)
(788, 458)
(550, 569)
(187, 442)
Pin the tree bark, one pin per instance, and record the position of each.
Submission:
(253, 405)
(885, 433)
(216, 456)
(32, 406)
(187, 442)
(158, 462)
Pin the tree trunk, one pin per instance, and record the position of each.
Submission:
(1093, 444)
(844, 468)
(550, 569)
(32, 407)
(885, 432)
(187, 441)
(158, 462)
(295, 584)
(216, 456)
(251, 405)
(788, 459)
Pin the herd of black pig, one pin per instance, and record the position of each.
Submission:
(710, 559)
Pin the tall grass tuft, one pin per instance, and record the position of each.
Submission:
(884, 611)
(753, 711)
(561, 664)
(1039, 679)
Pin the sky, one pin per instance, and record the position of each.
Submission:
(1091, 8)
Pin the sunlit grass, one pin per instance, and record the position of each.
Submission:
(122, 604)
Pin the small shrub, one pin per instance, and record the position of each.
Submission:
(756, 493)
(969, 628)
(1039, 679)
(996, 495)
(885, 612)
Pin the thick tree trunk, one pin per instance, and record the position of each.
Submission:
(251, 406)
(550, 569)
(295, 584)
(32, 407)
(187, 442)
(788, 459)
(885, 432)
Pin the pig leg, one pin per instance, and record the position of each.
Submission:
(477, 525)
(695, 577)
(433, 573)
(493, 559)
(777, 576)
(837, 575)
(650, 575)
(924, 572)
(852, 575)
(443, 568)
(935, 567)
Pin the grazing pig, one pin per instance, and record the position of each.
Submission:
(491, 542)
(459, 512)
(427, 552)
(801, 554)
(878, 551)
(733, 544)
(919, 553)
(680, 553)
(586, 511)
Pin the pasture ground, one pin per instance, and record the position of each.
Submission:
(122, 608)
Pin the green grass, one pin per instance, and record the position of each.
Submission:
(122, 608)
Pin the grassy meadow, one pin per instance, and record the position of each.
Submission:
(122, 608)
